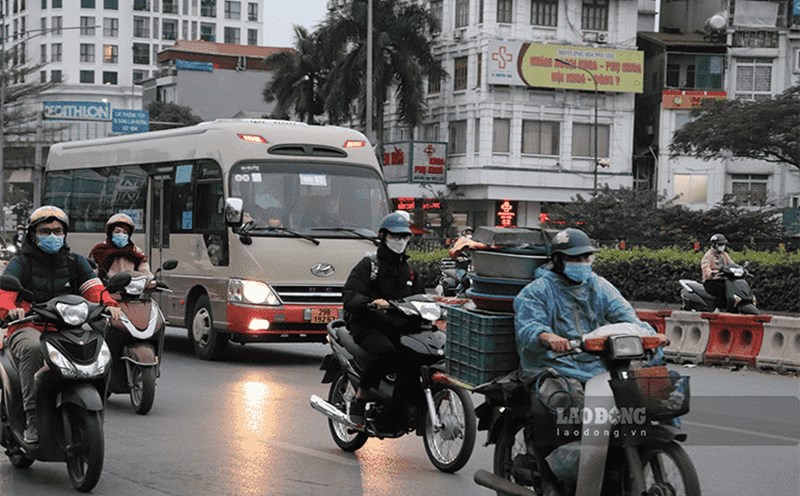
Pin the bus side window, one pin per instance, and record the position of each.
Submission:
(208, 212)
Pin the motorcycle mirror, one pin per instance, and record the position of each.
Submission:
(11, 283)
(169, 264)
(118, 282)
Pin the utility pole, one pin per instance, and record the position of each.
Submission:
(369, 72)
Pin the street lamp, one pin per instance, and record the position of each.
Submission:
(26, 35)
(591, 75)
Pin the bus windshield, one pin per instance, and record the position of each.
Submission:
(308, 197)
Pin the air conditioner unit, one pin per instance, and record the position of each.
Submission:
(590, 36)
(458, 34)
(602, 38)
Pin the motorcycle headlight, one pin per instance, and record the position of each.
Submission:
(428, 310)
(738, 272)
(626, 347)
(72, 370)
(136, 286)
(252, 292)
(66, 367)
(73, 315)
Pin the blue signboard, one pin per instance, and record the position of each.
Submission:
(130, 121)
(796, 10)
(84, 111)
(189, 65)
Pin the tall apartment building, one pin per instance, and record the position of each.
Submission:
(518, 121)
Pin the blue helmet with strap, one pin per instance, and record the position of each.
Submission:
(395, 223)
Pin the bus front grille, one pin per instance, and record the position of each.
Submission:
(310, 295)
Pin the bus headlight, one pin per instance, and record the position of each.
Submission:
(252, 292)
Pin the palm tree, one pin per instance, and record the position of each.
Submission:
(299, 77)
(402, 59)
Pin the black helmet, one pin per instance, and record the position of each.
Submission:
(572, 242)
(719, 239)
(395, 223)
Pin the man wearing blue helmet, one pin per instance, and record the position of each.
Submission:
(366, 292)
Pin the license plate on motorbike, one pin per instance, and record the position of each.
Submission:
(323, 315)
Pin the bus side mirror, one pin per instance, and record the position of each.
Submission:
(233, 212)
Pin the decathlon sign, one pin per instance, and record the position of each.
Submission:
(84, 111)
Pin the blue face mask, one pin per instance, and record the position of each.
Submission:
(50, 244)
(120, 239)
(578, 271)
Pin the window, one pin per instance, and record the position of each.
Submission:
(457, 144)
(109, 77)
(57, 4)
(111, 5)
(544, 12)
(56, 22)
(583, 140)
(110, 27)
(436, 11)
(42, 76)
(430, 132)
(541, 137)
(233, 10)
(480, 12)
(87, 26)
(252, 11)
(208, 8)
(87, 77)
(185, 30)
(462, 13)
(501, 129)
(169, 6)
(86, 4)
(155, 28)
(753, 78)
(434, 84)
(479, 70)
(252, 36)
(55, 76)
(55, 52)
(595, 15)
(208, 32)
(87, 53)
(505, 11)
(139, 75)
(44, 4)
(232, 35)
(141, 27)
(690, 188)
(110, 54)
(749, 190)
(169, 30)
(141, 53)
(141, 5)
(460, 66)
(43, 54)
(477, 145)
(694, 71)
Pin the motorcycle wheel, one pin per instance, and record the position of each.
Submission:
(143, 388)
(85, 447)
(513, 461)
(667, 470)
(340, 395)
(450, 446)
(20, 460)
(207, 342)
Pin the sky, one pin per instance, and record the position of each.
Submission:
(280, 16)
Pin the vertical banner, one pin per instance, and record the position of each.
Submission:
(396, 162)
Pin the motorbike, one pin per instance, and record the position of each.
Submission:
(136, 340)
(738, 294)
(445, 419)
(454, 280)
(70, 388)
(622, 442)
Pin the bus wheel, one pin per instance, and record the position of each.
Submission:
(208, 343)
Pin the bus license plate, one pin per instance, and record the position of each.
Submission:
(323, 315)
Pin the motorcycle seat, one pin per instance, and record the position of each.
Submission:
(344, 337)
(696, 287)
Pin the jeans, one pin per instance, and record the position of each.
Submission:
(27, 350)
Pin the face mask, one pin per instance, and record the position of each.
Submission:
(720, 248)
(50, 244)
(468, 236)
(120, 239)
(397, 245)
(577, 271)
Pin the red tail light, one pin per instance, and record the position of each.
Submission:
(354, 144)
(252, 138)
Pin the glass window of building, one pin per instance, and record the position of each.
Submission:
(501, 130)
(749, 190)
(169, 29)
(55, 52)
(87, 26)
(141, 27)
(57, 4)
(43, 54)
(460, 71)
(56, 23)
(462, 13)
(505, 11)
(544, 12)
(56, 76)
(169, 6)
(139, 75)
(690, 188)
(110, 27)
(594, 15)
(436, 10)
(477, 144)
(141, 5)
(457, 139)
(232, 35)
(111, 5)
(233, 10)
(753, 78)
(252, 11)
(583, 140)
(252, 36)
(110, 54)
(541, 137)
(141, 53)
(87, 52)
(434, 84)
(109, 77)
(87, 77)
(208, 8)
(208, 32)
(87, 4)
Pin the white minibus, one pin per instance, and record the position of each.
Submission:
(265, 218)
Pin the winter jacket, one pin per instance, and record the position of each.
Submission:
(550, 304)
(712, 262)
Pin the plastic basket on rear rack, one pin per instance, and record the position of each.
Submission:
(664, 395)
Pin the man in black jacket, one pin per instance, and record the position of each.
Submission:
(372, 282)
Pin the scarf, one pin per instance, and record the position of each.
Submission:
(105, 254)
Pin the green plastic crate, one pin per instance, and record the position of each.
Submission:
(479, 347)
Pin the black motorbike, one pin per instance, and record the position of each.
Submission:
(445, 417)
(70, 389)
(738, 295)
(544, 443)
(454, 280)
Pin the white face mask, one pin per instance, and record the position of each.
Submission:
(396, 245)
(720, 248)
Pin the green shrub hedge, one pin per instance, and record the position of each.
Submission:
(652, 275)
